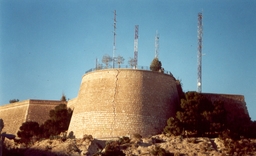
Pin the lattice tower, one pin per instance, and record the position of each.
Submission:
(156, 45)
(136, 36)
(199, 54)
(114, 42)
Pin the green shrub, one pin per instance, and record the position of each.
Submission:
(59, 121)
(14, 100)
(197, 115)
(28, 130)
(173, 127)
(155, 65)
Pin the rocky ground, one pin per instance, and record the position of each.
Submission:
(155, 145)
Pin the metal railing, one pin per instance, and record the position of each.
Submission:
(127, 67)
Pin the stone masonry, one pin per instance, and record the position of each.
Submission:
(118, 102)
(15, 114)
(234, 105)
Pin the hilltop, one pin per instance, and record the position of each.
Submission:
(154, 145)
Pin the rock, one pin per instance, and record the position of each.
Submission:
(144, 146)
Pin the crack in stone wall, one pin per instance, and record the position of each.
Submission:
(114, 104)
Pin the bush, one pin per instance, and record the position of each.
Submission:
(252, 129)
(155, 65)
(197, 115)
(59, 120)
(1, 125)
(28, 130)
(179, 89)
(14, 100)
(173, 127)
(63, 98)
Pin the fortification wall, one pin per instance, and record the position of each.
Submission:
(234, 105)
(71, 103)
(15, 114)
(118, 102)
(39, 110)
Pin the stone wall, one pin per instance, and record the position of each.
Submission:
(118, 102)
(15, 114)
(234, 105)
(39, 110)
(71, 103)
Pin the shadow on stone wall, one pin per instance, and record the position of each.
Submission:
(235, 106)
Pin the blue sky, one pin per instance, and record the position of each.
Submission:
(46, 46)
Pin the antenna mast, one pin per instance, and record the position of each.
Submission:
(136, 36)
(156, 45)
(199, 54)
(114, 43)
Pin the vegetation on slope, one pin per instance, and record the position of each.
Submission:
(197, 116)
(59, 121)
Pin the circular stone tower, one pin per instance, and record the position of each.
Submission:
(121, 102)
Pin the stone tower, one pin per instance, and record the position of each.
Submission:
(120, 102)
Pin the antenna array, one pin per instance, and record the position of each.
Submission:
(199, 54)
(156, 45)
(136, 36)
(114, 43)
